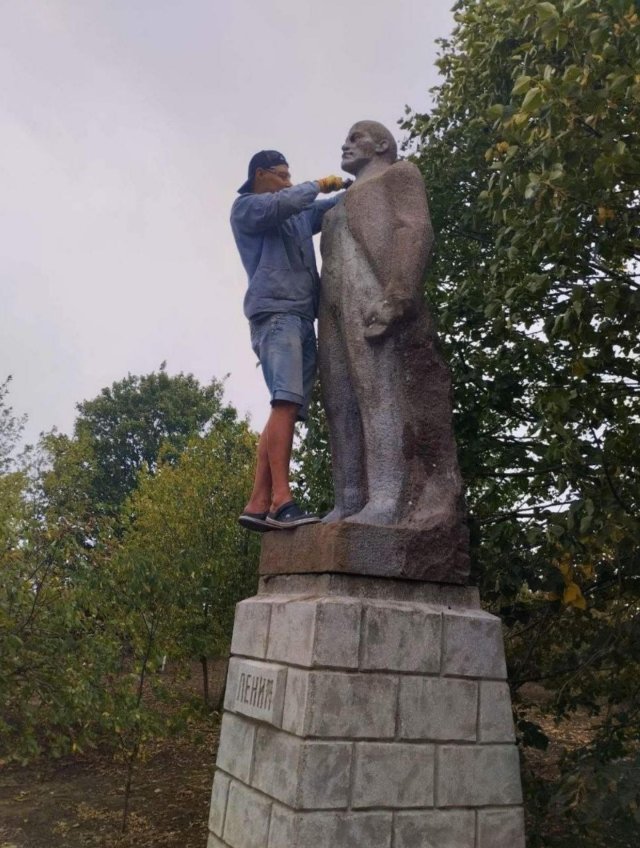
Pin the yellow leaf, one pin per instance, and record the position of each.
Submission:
(573, 597)
(564, 567)
(605, 214)
(588, 571)
(579, 368)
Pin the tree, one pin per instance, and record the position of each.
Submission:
(531, 158)
(312, 479)
(126, 425)
(183, 543)
(183, 565)
(11, 428)
(89, 598)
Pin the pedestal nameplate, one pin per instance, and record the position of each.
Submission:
(256, 689)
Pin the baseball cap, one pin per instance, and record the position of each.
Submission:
(264, 159)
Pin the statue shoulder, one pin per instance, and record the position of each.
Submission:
(404, 172)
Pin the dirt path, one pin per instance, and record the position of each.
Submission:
(77, 803)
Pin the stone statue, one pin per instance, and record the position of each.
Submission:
(386, 387)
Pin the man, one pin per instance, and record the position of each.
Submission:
(386, 387)
(273, 223)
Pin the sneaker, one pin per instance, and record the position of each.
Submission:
(290, 515)
(254, 521)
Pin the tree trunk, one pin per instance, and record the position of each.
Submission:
(205, 680)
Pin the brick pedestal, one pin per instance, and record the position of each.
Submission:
(366, 713)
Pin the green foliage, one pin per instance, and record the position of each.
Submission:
(11, 427)
(185, 559)
(530, 156)
(90, 602)
(312, 481)
(124, 428)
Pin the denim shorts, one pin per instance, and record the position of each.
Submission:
(286, 346)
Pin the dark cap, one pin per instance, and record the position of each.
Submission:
(264, 159)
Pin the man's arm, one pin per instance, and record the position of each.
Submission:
(318, 210)
(254, 213)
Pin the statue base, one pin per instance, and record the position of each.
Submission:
(439, 555)
(364, 713)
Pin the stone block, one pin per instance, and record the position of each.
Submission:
(473, 645)
(325, 770)
(435, 829)
(292, 632)
(393, 774)
(295, 702)
(501, 828)
(330, 830)
(283, 832)
(376, 588)
(351, 705)
(256, 689)
(247, 821)
(337, 633)
(214, 842)
(496, 715)
(401, 637)
(434, 554)
(437, 708)
(251, 627)
(478, 776)
(302, 774)
(276, 764)
(219, 794)
(316, 632)
(235, 750)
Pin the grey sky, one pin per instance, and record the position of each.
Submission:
(126, 127)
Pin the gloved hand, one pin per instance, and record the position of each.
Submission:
(329, 184)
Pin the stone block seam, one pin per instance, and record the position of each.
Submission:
(486, 827)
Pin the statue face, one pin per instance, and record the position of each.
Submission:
(359, 149)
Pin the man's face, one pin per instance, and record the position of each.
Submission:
(271, 179)
(358, 149)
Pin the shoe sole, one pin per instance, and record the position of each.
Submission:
(258, 525)
(286, 525)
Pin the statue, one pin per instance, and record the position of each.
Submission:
(385, 385)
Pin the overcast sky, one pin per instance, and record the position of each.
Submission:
(126, 127)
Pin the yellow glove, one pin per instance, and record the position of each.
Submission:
(329, 184)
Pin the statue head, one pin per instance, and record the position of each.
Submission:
(367, 140)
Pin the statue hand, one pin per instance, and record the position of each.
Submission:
(383, 317)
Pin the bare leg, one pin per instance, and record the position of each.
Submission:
(271, 483)
(345, 429)
(281, 425)
(261, 495)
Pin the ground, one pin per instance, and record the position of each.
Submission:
(77, 802)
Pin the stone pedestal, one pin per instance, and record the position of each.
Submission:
(366, 713)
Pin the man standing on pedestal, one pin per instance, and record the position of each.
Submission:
(273, 223)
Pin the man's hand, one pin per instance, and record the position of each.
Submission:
(329, 184)
(383, 317)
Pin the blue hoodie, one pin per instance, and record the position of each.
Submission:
(274, 232)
